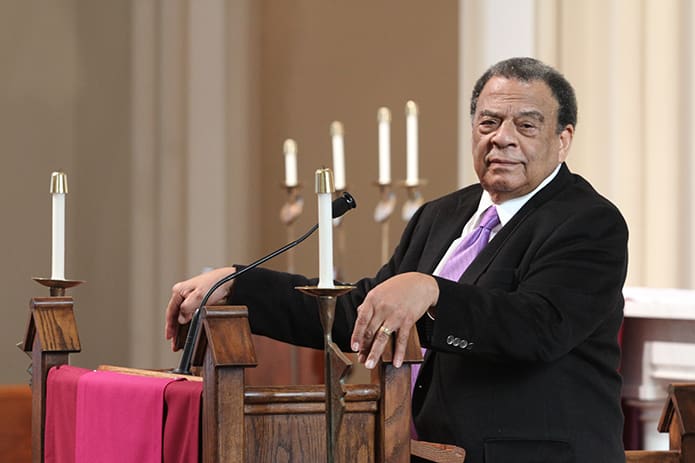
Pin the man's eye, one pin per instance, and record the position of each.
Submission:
(527, 127)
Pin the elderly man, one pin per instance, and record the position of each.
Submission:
(514, 285)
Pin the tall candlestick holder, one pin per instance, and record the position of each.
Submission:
(57, 287)
(340, 240)
(336, 364)
(414, 198)
(57, 297)
(289, 213)
(382, 213)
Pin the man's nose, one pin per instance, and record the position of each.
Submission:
(505, 135)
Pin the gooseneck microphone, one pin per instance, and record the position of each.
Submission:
(339, 207)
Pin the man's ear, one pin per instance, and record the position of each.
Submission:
(565, 142)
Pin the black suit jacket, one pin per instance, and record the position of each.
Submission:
(523, 355)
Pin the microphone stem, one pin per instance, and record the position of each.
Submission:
(184, 367)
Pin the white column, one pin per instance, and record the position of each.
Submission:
(689, 122)
(625, 144)
(662, 111)
(502, 29)
(470, 67)
(547, 29)
(508, 29)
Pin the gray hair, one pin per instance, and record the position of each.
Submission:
(527, 70)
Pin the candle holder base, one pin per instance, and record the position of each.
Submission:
(57, 287)
(415, 199)
(382, 213)
(336, 364)
(335, 291)
(387, 203)
(294, 205)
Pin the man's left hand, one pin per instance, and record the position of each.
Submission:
(392, 307)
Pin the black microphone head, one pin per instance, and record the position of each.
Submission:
(343, 204)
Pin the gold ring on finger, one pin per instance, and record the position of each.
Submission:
(385, 330)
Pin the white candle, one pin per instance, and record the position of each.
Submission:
(412, 177)
(384, 118)
(59, 188)
(290, 150)
(338, 155)
(324, 190)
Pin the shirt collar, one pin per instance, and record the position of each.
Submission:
(507, 209)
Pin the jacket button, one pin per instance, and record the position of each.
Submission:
(456, 342)
(463, 344)
(450, 339)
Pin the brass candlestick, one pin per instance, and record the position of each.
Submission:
(336, 364)
(382, 213)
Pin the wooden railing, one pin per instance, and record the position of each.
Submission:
(678, 420)
(237, 418)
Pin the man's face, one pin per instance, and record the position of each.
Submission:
(515, 141)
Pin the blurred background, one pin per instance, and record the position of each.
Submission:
(169, 118)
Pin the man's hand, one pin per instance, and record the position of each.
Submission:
(187, 295)
(396, 304)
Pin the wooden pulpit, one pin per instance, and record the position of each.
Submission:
(254, 424)
(51, 336)
(678, 420)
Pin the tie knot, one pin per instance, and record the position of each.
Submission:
(490, 218)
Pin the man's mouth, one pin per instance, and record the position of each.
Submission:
(501, 162)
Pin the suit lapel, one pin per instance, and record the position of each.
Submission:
(447, 227)
(485, 258)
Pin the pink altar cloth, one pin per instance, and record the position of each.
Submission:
(182, 425)
(120, 418)
(61, 400)
(103, 416)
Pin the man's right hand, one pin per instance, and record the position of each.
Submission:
(187, 295)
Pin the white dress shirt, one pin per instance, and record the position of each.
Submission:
(505, 211)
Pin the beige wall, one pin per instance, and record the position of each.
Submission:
(325, 61)
(64, 104)
(169, 118)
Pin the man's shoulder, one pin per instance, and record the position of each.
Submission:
(465, 195)
(569, 188)
(580, 189)
(574, 199)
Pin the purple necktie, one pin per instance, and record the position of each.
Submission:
(470, 246)
(456, 264)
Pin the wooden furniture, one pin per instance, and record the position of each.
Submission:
(678, 420)
(658, 349)
(254, 424)
(51, 336)
(15, 426)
